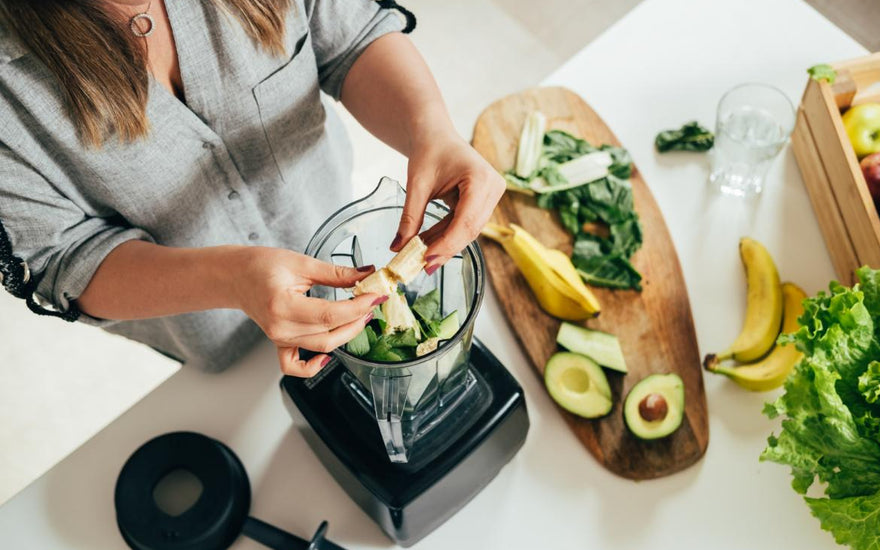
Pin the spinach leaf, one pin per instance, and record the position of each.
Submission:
(403, 339)
(360, 344)
(690, 137)
(382, 351)
(427, 306)
(613, 271)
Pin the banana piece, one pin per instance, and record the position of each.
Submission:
(427, 346)
(557, 293)
(398, 316)
(381, 282)
(763, 309)
(403, 268)
(407, 264)
(772, 371)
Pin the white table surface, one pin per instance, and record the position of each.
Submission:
(665, 63)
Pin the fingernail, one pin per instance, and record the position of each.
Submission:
(368, 318)
(324, 361)
(380, 300)
(397, 240)
(431, 258)
(431, 269)
(366, 268)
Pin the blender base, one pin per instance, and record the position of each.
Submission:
(406, 502)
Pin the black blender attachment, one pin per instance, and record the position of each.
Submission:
(411, 442)
(218, 516)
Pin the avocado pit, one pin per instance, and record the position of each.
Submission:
(653, 407)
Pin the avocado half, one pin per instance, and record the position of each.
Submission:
(654, 407)
(578, 384)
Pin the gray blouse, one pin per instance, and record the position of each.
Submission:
(253, 157)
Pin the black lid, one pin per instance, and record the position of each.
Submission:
(213, 522)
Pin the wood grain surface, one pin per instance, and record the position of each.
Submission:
(654, 326)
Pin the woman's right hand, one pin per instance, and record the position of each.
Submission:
(271, 291)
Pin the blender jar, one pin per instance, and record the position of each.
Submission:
(408, 398)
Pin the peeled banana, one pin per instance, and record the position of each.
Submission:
(403, 268)
(772, 371)
(763, 309)
(549, 273)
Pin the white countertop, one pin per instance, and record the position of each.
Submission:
(665, 63)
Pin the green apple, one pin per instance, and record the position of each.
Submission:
(862, 124)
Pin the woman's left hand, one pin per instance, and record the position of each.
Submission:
(447, 168)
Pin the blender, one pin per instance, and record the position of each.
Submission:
(411, 442)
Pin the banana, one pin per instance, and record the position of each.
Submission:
(403, 268)
(548, 273)
(407, 264)
(772, 371)
(763, 309)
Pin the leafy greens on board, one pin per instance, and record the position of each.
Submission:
(600, 260)
(831, 427)
(690, 137)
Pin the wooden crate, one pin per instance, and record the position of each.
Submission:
(830, 169)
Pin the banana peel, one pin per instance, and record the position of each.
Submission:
(549, 273)
(772, 371)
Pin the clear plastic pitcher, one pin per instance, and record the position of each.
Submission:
(407, 398)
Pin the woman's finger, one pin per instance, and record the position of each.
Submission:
(468, 218)
(430, 235)
(327, 274)
(329, 341)
(417, 197)
(324, 315)
(292, 365)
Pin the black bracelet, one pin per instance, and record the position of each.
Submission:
(408, 15)
(16, 278)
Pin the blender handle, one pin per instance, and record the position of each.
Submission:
(277, 539)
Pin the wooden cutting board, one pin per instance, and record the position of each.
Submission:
(654, 326)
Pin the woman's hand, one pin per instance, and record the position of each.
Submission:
(272, 292)
(447, 168)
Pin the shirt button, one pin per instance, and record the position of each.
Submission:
(232, 195)
(253, 236)
(207, 145)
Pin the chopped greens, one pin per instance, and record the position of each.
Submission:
(690, 137)
(601, 257)
(403, 340)
(822, 71)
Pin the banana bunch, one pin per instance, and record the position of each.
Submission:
(771, 308)
(403, 268)
(550, 273)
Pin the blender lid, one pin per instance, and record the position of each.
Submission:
(218, 516)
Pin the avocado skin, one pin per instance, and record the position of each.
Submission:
(671, 387)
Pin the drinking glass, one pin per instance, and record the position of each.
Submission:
(753, 124)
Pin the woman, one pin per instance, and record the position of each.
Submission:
(162, 164)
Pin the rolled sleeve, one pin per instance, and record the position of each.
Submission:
(341, 30)
(61, 245)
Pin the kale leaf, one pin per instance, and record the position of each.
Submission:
(690, 137)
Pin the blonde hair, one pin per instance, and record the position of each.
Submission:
(102, 68)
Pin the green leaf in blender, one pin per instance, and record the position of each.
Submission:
(405, 339)
(427, 306)
(360, 344)
(379, 318)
